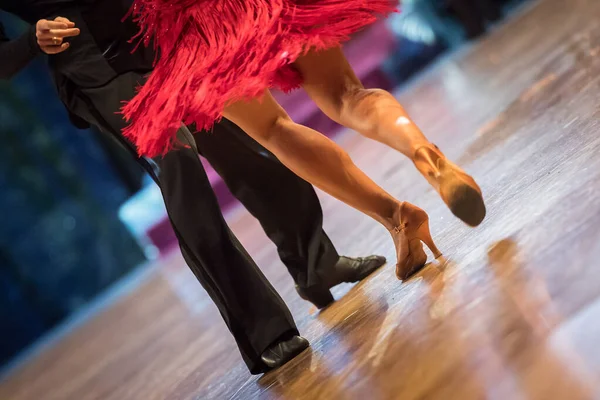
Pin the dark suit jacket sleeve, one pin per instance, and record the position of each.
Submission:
(16, 54)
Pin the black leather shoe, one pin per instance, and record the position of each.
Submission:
(345, 270)
(281, 352)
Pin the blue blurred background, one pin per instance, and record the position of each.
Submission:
(79, 215)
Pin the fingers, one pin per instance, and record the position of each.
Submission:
(60, 28)
(63, 33)
(45, 25)
(57, 33)
(65, 21)
(51, 34)
(55, 49)
(50, 42)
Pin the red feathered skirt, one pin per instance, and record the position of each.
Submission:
(214, 52)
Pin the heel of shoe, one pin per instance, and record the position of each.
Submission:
(321, 297)
(424, 235)
(416, 260)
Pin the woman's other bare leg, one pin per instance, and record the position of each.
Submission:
(332, 84)
(313, 157)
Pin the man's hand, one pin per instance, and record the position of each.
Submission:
(51, 34)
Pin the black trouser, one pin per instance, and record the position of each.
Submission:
(286, 206)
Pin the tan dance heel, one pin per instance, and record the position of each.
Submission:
(408, 235)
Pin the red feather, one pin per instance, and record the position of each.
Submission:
(213, 52)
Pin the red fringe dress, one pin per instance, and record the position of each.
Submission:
(213, 52)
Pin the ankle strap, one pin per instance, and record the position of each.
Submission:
(399, 228)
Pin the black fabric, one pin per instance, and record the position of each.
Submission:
(122, 53)
(98, 55)
(33, 10)
(251, 308)
(93, 88)
(286, 206)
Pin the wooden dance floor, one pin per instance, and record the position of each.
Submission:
(511, 312)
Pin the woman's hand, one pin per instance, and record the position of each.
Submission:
(51, 34)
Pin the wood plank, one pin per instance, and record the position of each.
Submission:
(512, 310)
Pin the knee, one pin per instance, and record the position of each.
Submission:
(274, 129)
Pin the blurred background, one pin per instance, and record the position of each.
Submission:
(81, 220)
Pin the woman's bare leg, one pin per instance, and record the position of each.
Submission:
(331, 83)
(313, 157)
(324, 164)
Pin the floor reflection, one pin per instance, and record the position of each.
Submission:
(529, 316)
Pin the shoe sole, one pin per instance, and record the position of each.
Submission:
(466, 203)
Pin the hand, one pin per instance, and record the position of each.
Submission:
(51, 34)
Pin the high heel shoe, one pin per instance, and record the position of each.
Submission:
(457, 189)
(408, 234)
